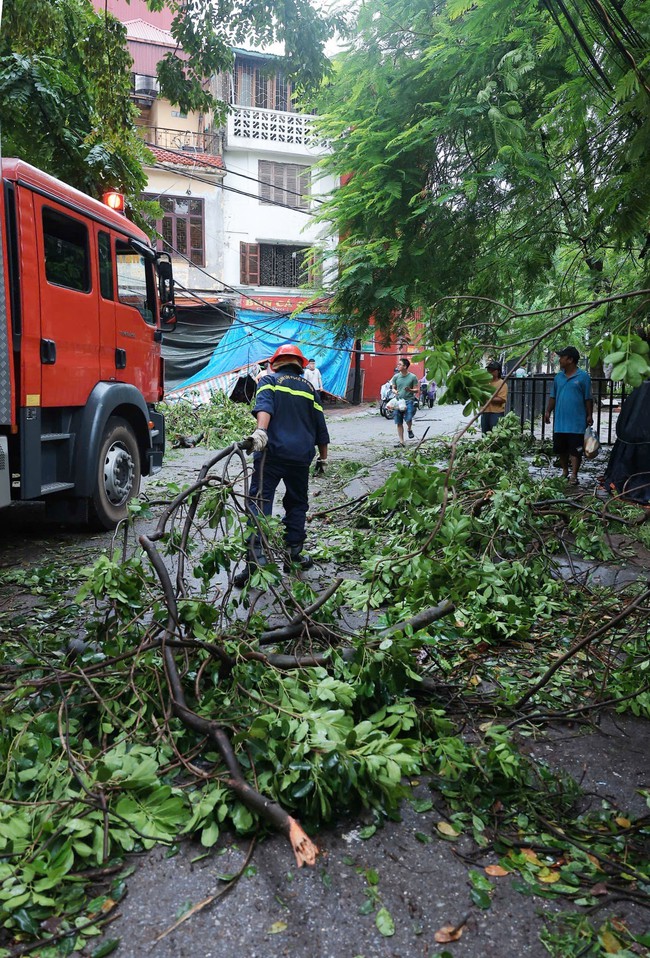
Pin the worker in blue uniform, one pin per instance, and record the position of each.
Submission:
(290, 424)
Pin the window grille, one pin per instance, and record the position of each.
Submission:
(274, 264)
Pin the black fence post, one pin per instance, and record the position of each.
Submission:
(528, 398)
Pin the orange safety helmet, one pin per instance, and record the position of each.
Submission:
(291, 352)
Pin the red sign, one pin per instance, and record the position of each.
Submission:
(280, 304)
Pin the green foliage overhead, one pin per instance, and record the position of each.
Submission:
(65, 95)
(493, 149)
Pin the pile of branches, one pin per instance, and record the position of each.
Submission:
(184, 706)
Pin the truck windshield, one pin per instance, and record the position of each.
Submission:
(135, 282)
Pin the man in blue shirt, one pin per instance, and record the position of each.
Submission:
(290, 423)
(572, 407)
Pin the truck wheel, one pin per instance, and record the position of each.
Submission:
(118, 473)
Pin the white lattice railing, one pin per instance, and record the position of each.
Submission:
(272, 126)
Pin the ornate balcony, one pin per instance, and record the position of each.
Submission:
(281, 132)
(185, 140)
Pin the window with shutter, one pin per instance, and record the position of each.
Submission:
(256, 86)
(249, 264)
(276, 264)
(286, 183)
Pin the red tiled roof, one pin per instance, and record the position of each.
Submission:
(179, 158)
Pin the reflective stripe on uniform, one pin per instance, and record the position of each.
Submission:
(294, 392)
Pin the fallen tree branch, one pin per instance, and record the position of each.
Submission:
(629, 608)
(294, 627)
(304, 849)
(421, 619)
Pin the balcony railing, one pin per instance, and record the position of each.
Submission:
(183, 140)
(271, 126)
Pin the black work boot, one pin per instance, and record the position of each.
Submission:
(297, 558)
(240, 580)
(256, 559)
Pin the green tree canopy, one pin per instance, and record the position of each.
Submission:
(65, 94)
(494, 149)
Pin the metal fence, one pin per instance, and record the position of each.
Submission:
(184, 140)
(528, 398)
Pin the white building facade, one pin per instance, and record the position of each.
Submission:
(272, 191)
(238, 202)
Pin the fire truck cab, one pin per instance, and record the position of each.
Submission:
(83, 300)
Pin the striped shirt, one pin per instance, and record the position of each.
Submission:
(297, 420)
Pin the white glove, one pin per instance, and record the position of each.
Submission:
(259, 439)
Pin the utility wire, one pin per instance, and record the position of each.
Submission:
(227, 287)
(268, 312)
(231, 189)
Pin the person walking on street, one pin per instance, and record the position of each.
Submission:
(572, 407)
(495, 407)
(313, 376)
(424, 389)
(405, 387)
(290, 423)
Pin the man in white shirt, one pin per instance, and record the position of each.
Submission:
(313, 376)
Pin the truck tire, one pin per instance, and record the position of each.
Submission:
(118, 473)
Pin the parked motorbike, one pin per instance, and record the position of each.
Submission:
(383, 411)
(427, 394)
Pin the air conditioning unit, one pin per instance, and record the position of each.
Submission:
(146, 85)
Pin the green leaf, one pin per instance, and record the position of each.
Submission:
(106, 948)
(424, 838)
(367, 831)
(481, 898)
(372, 876)
(384, 922)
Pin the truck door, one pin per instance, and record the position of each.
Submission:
(136, 333)
(108, 356)
(69, 347)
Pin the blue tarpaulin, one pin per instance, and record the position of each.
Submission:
(254, 337)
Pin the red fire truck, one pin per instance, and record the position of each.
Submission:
(83, 300)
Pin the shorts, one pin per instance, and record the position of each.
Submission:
(568, 443)
(399, 417)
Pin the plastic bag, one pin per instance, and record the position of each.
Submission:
(391, 405)
(591, 443)
(401, 405)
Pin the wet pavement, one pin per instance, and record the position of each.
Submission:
(276, 910)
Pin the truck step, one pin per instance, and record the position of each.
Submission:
(51, 487)
(55, 436)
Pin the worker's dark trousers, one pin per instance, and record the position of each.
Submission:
(295, 476)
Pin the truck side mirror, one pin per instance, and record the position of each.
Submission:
(168, 315)
(166, 290)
